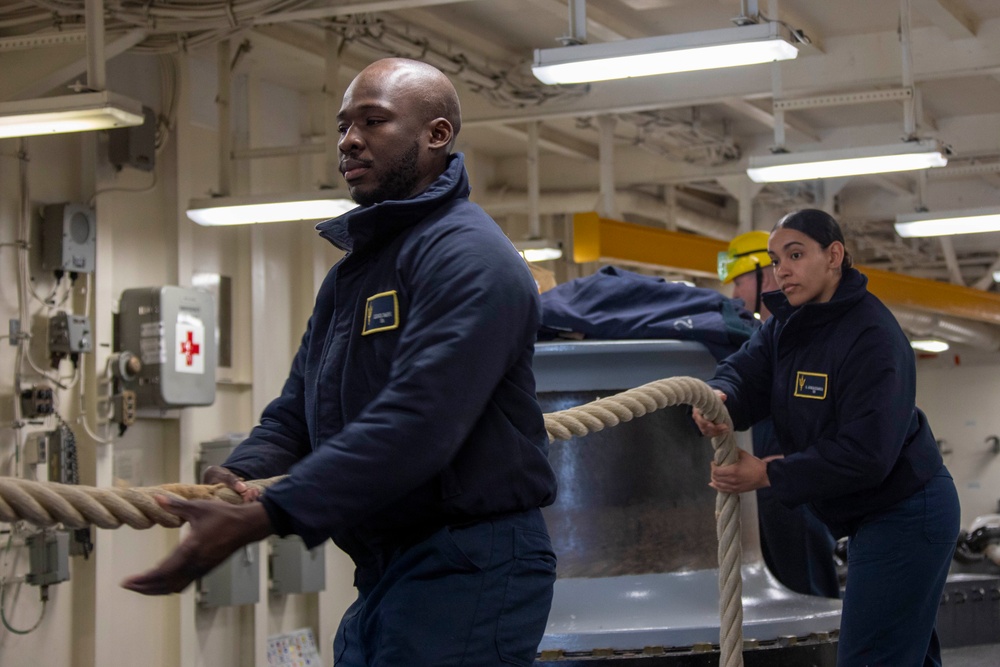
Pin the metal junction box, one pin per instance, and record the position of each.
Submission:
(237, 580)
(70, 334)
(295, 569)
(172, 331)
(48, 553)
(69, 238)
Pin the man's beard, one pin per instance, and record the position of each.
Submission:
(397, 184)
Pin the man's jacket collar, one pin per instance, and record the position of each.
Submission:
(366, 226)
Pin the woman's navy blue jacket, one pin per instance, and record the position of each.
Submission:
(839, 379)
(411, 400)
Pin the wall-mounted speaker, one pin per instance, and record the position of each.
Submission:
(69, 238)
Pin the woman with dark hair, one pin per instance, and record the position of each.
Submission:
(837, 374)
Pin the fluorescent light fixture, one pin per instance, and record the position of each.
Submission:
(945, 223)
(666, 54)
(269, 208)
(539, 250)
(904, 156)
(83, 112)
(929, 345)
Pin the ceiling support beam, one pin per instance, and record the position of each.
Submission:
(952, 16)
(44, 85)
(767, 119)
(743, 191)
(553, 141)
(503, 203)
(534, 187)
(951, 261)
(606, 165)
(892, 184)
(596, 238)
(987, 278)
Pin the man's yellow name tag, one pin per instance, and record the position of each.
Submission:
(381, 313)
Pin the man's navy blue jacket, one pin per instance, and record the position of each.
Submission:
(839, 379)
(411, 401)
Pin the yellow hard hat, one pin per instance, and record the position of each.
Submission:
(746, 252)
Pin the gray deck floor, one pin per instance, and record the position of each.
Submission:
(983, 655)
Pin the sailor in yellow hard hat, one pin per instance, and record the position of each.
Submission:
(743, 265)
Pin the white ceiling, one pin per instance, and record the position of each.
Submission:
(687, 130)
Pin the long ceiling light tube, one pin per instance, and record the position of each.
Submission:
(904, 156)
(946, 223)
(82, 112)
(219, 211)
(666, 54)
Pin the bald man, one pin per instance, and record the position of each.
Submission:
(408, 426)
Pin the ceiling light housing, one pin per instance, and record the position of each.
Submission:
(946, 223)
(82, 112)
(219, 211)
(539, 250)
(666, 54)
(904, 156)
(929, 345)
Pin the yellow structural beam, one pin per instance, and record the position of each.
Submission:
(602, 239)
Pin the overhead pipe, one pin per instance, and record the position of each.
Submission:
(223, 96)
(606, 165)
(334, 44)
(577, 22)
(905, 42)
(534, 183)
(96, 64)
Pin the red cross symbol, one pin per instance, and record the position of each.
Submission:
(189, 348)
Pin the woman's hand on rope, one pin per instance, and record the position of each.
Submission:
(706, 426)
(220, 475)
(217, 530)
(749, 473)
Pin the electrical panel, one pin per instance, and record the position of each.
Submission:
(69, 238)
(172, 332)
(69, 335)
(37, 401)
(295, 569)
(60, 458)
(48, 555)
(236, 581)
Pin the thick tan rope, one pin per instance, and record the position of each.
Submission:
(75, 506)
(623, 407)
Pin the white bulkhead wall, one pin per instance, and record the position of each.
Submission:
(145, 239)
